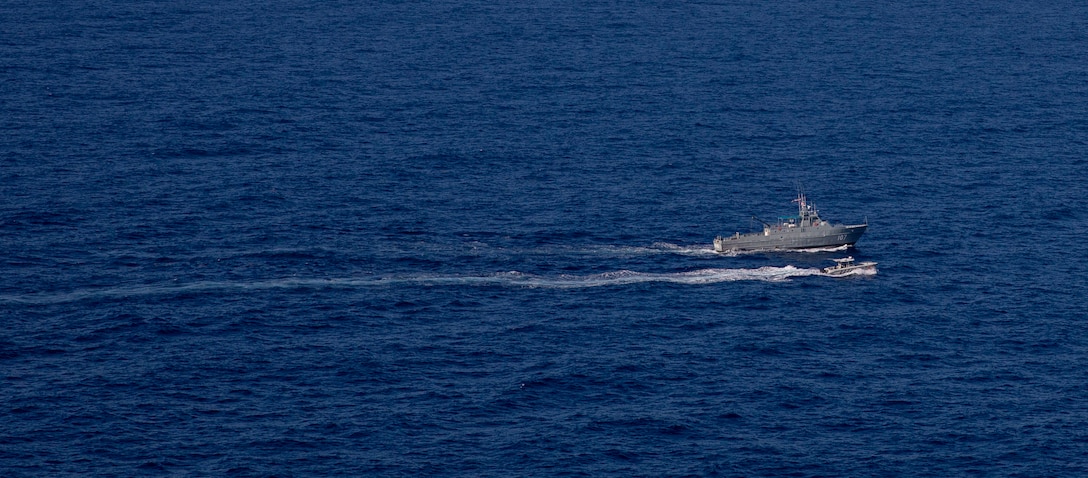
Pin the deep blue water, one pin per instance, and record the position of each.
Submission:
(459, 238)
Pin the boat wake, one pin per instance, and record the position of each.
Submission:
(657, 248)
(821, 249)
(623, 277)
(626, 251)
(811, 250)
(513, 279)
(696, 250)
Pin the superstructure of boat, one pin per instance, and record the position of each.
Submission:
(804, 231)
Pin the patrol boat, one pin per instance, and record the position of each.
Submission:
(804, 231)
(846, 266)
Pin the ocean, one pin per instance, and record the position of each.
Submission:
(464, 238)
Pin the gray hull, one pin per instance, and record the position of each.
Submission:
(797, 237)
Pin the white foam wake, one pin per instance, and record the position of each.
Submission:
(616, 278)
(501, 279)
(657, 248)
(626, 277)
(810, 250)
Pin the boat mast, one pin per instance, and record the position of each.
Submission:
(802, 209)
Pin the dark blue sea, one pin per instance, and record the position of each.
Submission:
(468, 238)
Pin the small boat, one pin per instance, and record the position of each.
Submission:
(846, 266)
(806, 230)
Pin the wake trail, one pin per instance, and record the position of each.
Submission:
(513, 279)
